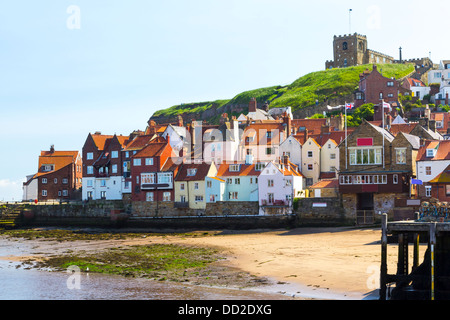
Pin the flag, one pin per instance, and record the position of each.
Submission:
(387, 105)
(332, 108)
(349, 106)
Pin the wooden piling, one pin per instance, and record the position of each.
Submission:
(432, 248)
(383, 269)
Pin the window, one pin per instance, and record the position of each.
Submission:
(229, 181)
(102, 183)
(428, 191)
(183, 199)
(390, 95)
(65, 181)
(59, 193)
(147, 178)
(286, 154)
(114, 168)
(269, 134)
(103, 194)
(90, 195)
(196, 185)
(310, 167)
(114, 154)
(390, 83)
(381, 95)
(234, 167)
(270, 151)
(237, 181)
(363, 156)
(309, 182)
(90, 170)
(166, 196)
(149, 196)
(428, 171)
(44, 180)
(288, 183)
(232, 195)
(44, 193)
(182, 186)
(447, 190)
(48, 167)
(332, 156)
(310, 154)
(90, 156)
(209, 184)
(431, 153)
(127, 154)
(437, 75)
(270, 183)
(148, 161)
(359, 96)
(136, 162)
(212, 198)
(192, 172)
(344, 46)
(395, 179)
(271, 198)
(249, 151)
(400, 156)
(165, 177)
(199, 198)
(89, 183)
(259, 166)
(65, 193)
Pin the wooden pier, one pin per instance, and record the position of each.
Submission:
(429, 279)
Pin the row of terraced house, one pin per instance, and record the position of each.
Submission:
(265, 157)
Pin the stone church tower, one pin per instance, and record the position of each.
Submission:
(351, 50)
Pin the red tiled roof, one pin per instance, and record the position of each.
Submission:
(326, 183)
(202, 170)
(402, 127)
(442, 153)
(245, 170)
(314, 126)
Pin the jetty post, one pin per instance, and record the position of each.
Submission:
(383, 269)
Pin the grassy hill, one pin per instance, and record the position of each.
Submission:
(303, 92)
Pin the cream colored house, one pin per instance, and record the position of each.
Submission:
(329, 157)
(190, 185)
(311, 164)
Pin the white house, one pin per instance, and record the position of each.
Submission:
(176, 135)
(292, 148)
(440, 75)
(30, 189)
(278, 185)
(432, 158)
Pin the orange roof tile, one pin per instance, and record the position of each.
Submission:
(245, 170)
(326, 183)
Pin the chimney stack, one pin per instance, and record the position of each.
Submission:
(252, 105)
(52, 148)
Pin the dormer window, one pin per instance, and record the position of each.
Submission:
(431, 153)
(191, 172)
(234, 167)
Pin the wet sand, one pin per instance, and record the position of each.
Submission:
(318, 263)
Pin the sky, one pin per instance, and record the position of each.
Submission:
(68, 68)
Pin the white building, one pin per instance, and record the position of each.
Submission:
(278, 185)
(292, 148)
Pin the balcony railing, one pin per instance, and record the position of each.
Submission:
(275, 203)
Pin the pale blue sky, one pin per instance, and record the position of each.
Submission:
(131, 58)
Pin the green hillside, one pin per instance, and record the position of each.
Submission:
(303, 92)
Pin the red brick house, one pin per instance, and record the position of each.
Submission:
(59, 177)
(440, 186)
(153, 169)
(103, 166)
(374, 87)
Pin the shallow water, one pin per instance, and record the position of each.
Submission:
(18, 283)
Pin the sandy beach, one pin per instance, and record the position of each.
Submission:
(322, 263)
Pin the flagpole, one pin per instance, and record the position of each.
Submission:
(346, 152)
(382, 113)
